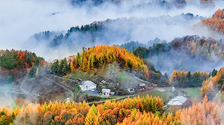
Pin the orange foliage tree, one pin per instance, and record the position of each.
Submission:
(129, 111)
(187, 79)
(99, 56)
(111, 112)
(213, 84)
(216, 22)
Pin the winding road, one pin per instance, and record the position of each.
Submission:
(72, 94)
(22, 83)
(61, 85)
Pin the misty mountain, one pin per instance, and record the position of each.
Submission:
(166, 4)
(119, 31)
(189, 53)
(29, 18)
(133, 45)
(92, 2)
(44, 36)
(216, 22)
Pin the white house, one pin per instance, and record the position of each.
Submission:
(88, 85)
(141, 86)
(178, 100)
(105, 92)
(68, 99)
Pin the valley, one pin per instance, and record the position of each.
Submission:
(112, 62)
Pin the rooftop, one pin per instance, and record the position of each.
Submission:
(142, 84)
(178, 100)
(106, 90)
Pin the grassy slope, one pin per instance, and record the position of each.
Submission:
(193, 93)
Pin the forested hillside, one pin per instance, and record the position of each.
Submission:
(180, 52)
(168, 4)
(100, 56)
(129, 111)
(213, 85)
(216, 22)
(18, 59)
(81, 113)
(14, 64)
(109, 32)
(187, 79)
(133, 45)
(112, 62)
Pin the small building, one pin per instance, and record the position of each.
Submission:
(131, 90)
(173, 89)
(68, 99)
(88, 85)
(103, 82)
(105, 92)
(141, 86)
(178, 100)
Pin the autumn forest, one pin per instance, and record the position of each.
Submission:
(112, 62)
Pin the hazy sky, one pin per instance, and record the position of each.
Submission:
(20, 19)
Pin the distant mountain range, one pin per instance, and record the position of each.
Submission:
(114, 31)
(162, 3)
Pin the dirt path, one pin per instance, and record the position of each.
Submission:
(59, 77)
(141, 80)
(61, 85)
(22, 84)
(72, 94)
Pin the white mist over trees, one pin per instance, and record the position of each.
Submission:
(21, 19)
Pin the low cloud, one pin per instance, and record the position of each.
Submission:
(21, 19)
